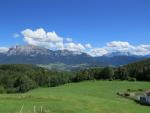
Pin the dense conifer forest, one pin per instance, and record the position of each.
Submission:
(18, 78)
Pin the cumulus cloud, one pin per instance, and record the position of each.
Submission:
(53, 37)
(141, 50)
(118, 44)
(52, 40)
(98, 52)
(88, 46)
(74, 47)
(40, 37)
(59, 46)
(69, 39)
(3, 49)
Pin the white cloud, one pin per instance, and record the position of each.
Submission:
(74, 47)
(118, 44)
(40, 37)
(53, 37)
(3, 49)
(141, 50)
(69, 39)
(59, 46)
(37, 34)
(88, 46)
(53, 41)
(98, 52)
(145, 46)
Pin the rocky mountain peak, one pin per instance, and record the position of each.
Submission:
(27, 50)
(31, 50)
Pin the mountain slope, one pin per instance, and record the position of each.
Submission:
(143, 63)
(139, 70)
(119, 60)
(37, 55)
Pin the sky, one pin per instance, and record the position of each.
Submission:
(94, 26)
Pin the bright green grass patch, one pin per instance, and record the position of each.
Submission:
(84, 97)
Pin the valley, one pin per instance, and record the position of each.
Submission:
(74, 56)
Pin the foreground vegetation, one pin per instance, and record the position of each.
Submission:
(83, 97)
(16, 78)
(22, 78)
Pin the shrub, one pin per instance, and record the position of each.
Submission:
(126, 94)
(24, 83)
(2, 90)
(131, 79)
(140, 90)
(11, 90)
(129, 90)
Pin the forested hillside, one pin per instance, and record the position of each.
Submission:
(139, 70)
(21, 78)
(135, 71)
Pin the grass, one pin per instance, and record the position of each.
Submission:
(84, 97)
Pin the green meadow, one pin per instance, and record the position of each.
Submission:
(83, 97)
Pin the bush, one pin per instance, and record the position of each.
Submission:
(126, 94)
(129, 90)
(140, 90)
(11, 90)
(131, 79)
(107, 73)
(111, 79)
(24, 84)
(2, 90)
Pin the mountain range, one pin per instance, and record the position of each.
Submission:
(30, 54)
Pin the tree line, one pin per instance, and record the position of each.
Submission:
(136, 71)
(15, 78)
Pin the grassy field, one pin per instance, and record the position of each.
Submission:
(84, 97)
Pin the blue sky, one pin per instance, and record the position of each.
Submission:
(96, 22)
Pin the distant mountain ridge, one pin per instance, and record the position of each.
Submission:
(119, 54)
(30, 54)
(37, 55)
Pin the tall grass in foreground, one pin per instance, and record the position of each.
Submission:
(40, 109)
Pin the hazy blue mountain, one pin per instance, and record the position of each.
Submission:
(119, 60)
(113, 54)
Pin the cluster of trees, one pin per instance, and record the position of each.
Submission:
(22, 78)
(106, 73)
(136, 71)
(139, 70)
